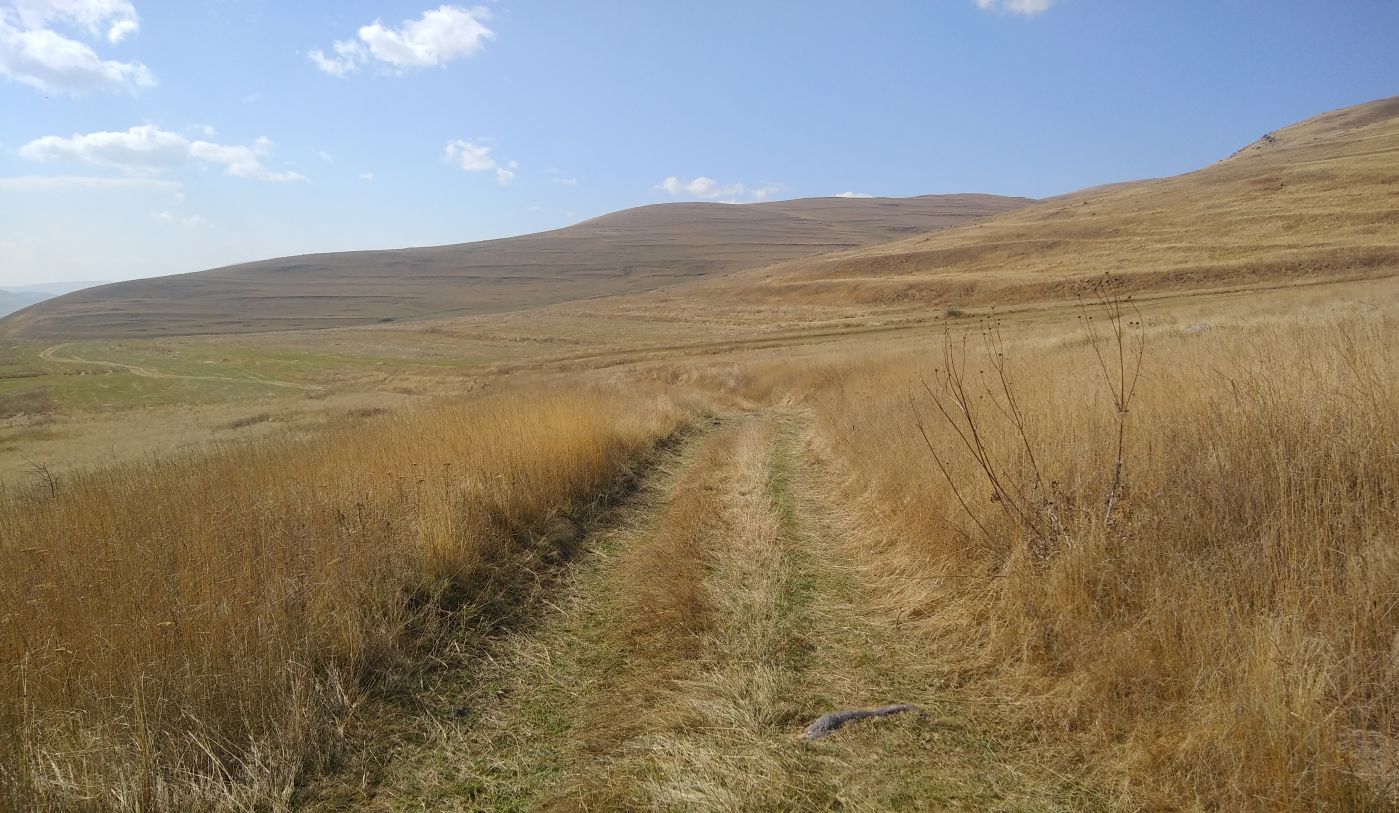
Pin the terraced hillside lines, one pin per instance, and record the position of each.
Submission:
(630, 251)
(692, 647)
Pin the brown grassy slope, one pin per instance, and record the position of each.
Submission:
(1219, 629)
(634, 250)
(1319, 199)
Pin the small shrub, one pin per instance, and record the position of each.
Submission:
(26, 402)
(249, 420)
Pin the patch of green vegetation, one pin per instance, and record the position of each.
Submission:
(73, 385)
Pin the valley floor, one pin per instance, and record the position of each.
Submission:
(689, 645)
(470, 617)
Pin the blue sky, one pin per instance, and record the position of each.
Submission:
(140, 138)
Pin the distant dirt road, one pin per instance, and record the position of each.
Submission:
(145, 372)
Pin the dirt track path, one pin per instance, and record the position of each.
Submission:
(691, 646)
(51, 354)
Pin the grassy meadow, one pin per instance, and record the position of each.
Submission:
(1195, 582)
(1124, 540)
(186, 633)
(1198, 617)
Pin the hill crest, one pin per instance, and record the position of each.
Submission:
(624, 252)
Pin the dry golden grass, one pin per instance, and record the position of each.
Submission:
(65, 441)
(25, 402)
(680, 661)
(1191, 589)
(185, 633)
(1315, 203)
(1222, 638)
(1227, 643)
(664, 604)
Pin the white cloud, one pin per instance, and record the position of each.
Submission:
(700, 187)
(325, 156)
(707, 188)
(351, 55)
(439, 36)
(1027, 8)
(854, 195)
(477, 158)
(183, 221)
(34, 53)
(121, 30)
(117, 17)
(366, 176)
(147, 149)
(565, 181)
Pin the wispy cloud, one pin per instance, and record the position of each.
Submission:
(1027, 8)
(471, 157)
(34, 52)
(59, 183)
(183, 221)
(706, 188)
(147, 149)
(854, 195)
(439, 36)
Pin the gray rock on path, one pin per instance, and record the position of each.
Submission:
(828, 724)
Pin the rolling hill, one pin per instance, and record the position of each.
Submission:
(629, 251)
(18, 297)
(11, 301)
(1317, 200)
(1312, 201)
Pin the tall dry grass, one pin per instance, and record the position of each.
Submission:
(1218, 628)
(185, 634)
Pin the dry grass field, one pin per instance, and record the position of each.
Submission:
(1205, 601)
(1126, 541)
(225, 619)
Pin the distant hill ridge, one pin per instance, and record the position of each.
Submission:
(1312, 201)
(629, 251)
(1315, 201)
(18, 297)
(11, 300)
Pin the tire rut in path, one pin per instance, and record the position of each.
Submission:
(51, 354)
(798, 634)
(691, 647)
(396, 743)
